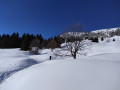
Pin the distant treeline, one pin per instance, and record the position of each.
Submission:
(15, 41)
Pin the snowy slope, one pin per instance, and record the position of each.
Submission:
(65, 35)
(10, 58)
(105, 30)
(99, 70)
(88, 73)
(14, 60)
(104, 47)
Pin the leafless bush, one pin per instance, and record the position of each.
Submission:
(34, 46)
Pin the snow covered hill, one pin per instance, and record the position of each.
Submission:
(64, 35)
(14, 60)
(105, 32)
(98, 70)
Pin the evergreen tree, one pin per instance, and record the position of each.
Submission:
(0, 40)
(44, 44)
(15, 41)
(58, 40)
(26, 42)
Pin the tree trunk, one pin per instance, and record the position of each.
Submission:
(74, 55)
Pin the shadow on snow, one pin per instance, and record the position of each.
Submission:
(25, 64)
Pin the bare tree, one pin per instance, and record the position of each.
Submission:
(118, 32)
(75, 47)
(52, 44)
(74, 42)
(34, 46)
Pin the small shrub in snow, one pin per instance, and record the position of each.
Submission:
(34, 46)
(102, 38)
(35, 50)
(113, 39)
(95, 39)
(86, 38)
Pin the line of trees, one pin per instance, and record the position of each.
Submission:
(74, 41)
(26, 41)
(10, 41)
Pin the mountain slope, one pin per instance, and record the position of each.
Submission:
(103, 32)
(99, 70)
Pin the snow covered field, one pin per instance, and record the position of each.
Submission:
(99, 70)
(13, 60)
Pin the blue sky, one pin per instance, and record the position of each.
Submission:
(49, 17)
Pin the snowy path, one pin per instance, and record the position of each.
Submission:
(25, 64)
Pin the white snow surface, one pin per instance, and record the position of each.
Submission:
(105, 30)
(93, 73)
(11, 59)
(104, 47)
(99, 70)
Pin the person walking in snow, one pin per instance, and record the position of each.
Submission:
(50, 57)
